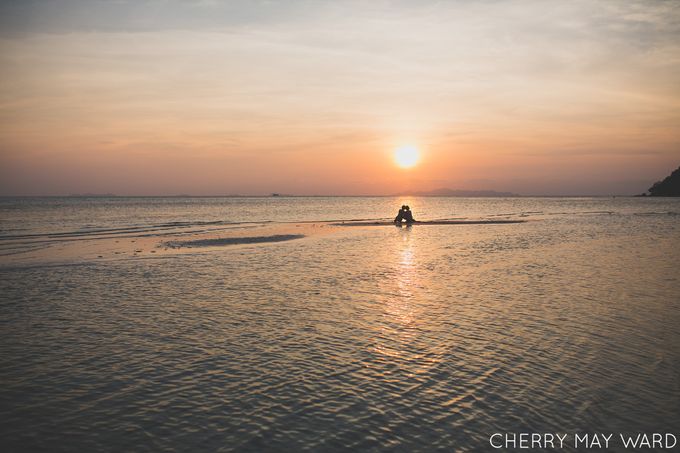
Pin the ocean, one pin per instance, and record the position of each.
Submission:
(337, 338)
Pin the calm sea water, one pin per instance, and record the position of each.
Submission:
(379, 338)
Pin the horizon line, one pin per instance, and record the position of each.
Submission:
(327, 196)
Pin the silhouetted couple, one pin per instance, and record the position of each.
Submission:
(404, 215)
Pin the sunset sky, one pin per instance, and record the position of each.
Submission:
(309, 97)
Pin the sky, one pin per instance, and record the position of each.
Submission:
(202, 97)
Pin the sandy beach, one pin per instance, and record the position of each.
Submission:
(114, 245)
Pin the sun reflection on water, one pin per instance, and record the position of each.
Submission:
(399, 318)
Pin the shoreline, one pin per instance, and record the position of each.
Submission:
(129, 243)
(93, 247)
(428, 222)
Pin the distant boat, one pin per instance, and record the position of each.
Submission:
(276, 195)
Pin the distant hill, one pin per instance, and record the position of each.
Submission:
(91, 195)
(669, 187)
(459, 193)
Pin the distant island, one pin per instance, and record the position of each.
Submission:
(669, 187)
(459, 193)
(91, 195)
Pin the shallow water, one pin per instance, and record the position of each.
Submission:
(371, 338)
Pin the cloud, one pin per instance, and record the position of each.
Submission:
(69, 16)
(225, 80)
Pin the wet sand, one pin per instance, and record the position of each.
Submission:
(102, 245)
(428, 222)
(88, 246)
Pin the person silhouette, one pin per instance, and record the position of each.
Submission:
(404, 215)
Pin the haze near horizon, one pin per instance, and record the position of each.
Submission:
(301, 97)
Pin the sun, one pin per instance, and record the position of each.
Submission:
(406, 156)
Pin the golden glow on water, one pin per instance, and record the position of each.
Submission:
(397, 327)
(415, 336)
(407, 272)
